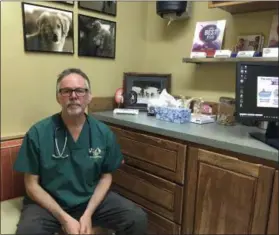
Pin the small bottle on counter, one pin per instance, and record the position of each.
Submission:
(226, 111)
(150, 110)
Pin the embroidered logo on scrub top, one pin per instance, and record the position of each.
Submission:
(95, 153)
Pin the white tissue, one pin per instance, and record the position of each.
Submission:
(164, 100)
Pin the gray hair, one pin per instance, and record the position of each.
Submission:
(69, 71)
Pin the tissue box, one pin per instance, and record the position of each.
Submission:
(172, 114)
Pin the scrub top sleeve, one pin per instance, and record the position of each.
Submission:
(28, 157)
(114, 157)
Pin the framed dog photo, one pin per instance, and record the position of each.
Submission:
(96, 37)
(47, 29)
(140, 88)
(104, 7)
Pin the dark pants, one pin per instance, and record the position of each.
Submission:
(115, 212)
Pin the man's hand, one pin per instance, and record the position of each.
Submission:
(71, 226)
(85, 225)
(97, 197)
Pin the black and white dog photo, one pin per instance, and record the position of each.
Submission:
(97, 37)
(47, 29)
(105, 7)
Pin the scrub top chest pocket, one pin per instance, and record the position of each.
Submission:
(54, 169)
(89, 163)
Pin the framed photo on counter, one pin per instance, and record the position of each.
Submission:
(139, 88)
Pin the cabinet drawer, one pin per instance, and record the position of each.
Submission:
(158, 225)
(154, 193)
(158, 156)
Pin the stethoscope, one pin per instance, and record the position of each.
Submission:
(60, 155)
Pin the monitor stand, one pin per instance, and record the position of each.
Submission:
(270, 137)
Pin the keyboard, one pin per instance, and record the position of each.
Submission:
(126, 111)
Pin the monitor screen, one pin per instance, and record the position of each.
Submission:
(257, 91)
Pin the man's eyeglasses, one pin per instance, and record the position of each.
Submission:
(78, 91)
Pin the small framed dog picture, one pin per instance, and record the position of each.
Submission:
(47, 29)
(96, 37)
(104, 7)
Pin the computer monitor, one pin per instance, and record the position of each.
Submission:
(257, 97)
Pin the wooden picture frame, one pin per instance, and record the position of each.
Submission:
(103, 7)
(59, 40)
(138, 88)
(96, 37)
(71, 3)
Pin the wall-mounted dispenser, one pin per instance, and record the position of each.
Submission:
(174, 10)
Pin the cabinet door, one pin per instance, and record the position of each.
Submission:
(273, 215)
(225, 195)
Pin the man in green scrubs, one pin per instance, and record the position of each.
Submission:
(67, 160)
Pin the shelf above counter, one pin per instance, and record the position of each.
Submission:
(228, 60)
(235, 7)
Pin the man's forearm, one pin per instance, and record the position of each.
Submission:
(99, 194)
(39, 195)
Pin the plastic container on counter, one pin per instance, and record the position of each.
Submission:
(226, 111)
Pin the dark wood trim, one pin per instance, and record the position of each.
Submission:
(101, 104)
(273, 228)
(263, 195)
(12, 137)
(190, 188)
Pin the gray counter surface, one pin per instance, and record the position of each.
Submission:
(232, 138)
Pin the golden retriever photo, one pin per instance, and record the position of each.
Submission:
(96, 37)
(47, 29)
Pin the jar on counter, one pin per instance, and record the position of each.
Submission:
(226, 111)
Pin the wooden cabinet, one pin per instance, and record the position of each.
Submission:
(273, 215)
(244, 6)
(152, 177)
(158, 225)
(159, 195)
(186, 189)
(158, 156)
(225, 195)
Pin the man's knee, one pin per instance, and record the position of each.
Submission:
(29, 227)
(36, 220)
(35, 227)
(137, 218)
(141, 217)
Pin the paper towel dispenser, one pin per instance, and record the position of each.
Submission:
(174, 10)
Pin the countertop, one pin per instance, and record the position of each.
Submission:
(233, 138)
